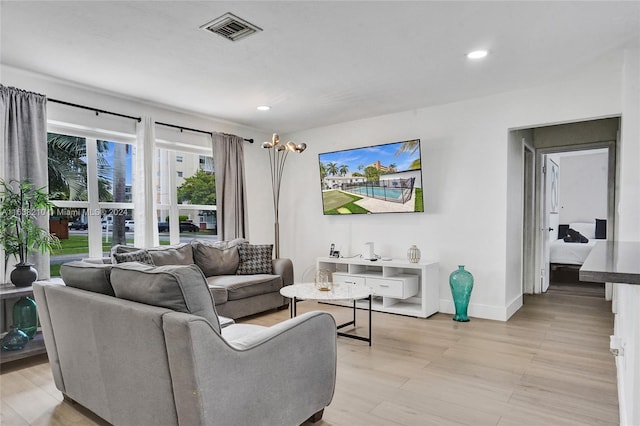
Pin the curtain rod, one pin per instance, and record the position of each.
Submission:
(138, 119)
(194, 130)
(96, 110)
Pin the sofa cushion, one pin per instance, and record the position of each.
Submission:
(255, 259)
(243, 286)
(219, 294)
(215, 259)
(179, 254)
(88, 276)
(181, 288)
(141, 256)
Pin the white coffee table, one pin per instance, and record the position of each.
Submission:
(340, 292)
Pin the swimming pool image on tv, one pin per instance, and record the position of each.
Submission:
(383, 178)
(377, 191)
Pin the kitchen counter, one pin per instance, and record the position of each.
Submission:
(613, 262)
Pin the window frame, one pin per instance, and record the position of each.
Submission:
(93, 205)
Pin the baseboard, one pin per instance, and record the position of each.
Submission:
(513, 307)
(490, 312)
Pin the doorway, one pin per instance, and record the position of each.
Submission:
(574, 214)
(543, 209)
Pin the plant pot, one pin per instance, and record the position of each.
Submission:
(23, 275)
(461, 283)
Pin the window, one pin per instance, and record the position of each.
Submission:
(90, 184)
(179, 158)
(186, 203)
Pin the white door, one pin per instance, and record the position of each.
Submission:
(550, 216)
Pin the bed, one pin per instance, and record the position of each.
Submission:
(573, 253)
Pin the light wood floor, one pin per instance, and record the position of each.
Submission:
(548, 365)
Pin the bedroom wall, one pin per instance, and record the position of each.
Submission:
(464, 156)
(583, 187)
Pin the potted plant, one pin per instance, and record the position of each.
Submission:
(21, 203)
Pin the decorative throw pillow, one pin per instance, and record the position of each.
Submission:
(575, 237)
(215, 260)
(93, 277)
(562, 231)
(181, 288)
(601, 229)
(141, 256)
(255, 259)
(588, 229)
(121, 248)
(179, 254)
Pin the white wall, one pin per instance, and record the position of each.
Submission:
(464, 163)
(627, 297)
(583, 186)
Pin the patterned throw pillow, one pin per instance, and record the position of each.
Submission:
(141, 256)
(255, 259)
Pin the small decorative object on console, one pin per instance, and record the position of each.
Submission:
(14, 340)
(461, 283)
(322, 280)
(413, 254)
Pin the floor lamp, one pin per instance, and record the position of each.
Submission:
(277, 157)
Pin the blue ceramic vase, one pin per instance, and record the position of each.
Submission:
(25, 316)
(461, 283)
(14, 340)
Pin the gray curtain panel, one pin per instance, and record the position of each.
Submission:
(231, 200)
(23, 143)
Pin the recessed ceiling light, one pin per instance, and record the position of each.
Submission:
(477, 54)
(264, 108)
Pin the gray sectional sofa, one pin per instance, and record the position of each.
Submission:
(146, 347)
(243, 278)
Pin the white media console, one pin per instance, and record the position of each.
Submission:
(397, 286)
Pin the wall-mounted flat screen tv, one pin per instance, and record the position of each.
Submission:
(375, 179)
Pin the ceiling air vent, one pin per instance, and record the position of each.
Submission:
(231, 27)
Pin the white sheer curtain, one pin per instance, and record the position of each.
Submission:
(145, 215)
(23, 145)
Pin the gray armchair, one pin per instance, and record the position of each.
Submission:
(134, 362)
(281, 375)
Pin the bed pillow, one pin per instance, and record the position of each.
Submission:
(601, 229)
(575, 237)
(585, 228)
(562, 231)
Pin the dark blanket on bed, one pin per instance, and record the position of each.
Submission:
(574, 236)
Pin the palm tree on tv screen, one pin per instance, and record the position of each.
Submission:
(411, 147)
(332, 168)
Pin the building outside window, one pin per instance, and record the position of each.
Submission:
(186, 203)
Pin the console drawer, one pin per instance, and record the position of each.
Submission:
(397, 287)
(347, 279)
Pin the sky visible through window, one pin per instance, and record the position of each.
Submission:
(108, 155)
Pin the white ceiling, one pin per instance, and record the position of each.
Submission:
(316, 62)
